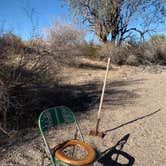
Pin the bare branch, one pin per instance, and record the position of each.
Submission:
(108, 17)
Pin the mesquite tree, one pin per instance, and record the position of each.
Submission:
(119, 19)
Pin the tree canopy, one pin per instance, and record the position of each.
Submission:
(119, 19)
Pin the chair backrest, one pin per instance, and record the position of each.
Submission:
(51, 118)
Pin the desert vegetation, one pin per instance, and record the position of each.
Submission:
(31, 78)
(30, 69)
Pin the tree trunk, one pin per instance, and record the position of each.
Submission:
(113, 39)
(104, 39)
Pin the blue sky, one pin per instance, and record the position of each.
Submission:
(13, 13)
(14, 18)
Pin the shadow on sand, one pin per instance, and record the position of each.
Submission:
(83, 97)
(79, 98)
(114, 156)
(132, 121)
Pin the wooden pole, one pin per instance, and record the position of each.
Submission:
(102, 95)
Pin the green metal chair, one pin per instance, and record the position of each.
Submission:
(50, 119)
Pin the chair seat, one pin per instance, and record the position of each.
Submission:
(59, 154)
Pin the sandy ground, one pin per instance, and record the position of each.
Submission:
(133, 118)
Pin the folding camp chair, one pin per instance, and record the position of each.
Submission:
(52, 118)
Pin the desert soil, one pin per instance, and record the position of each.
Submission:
(133, 116)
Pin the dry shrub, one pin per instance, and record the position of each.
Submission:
(90, 50)
(65, 41)
(26, 68)
(117, 54)
(133, 53)
(147, 53)
(157, 51)
(9, 45)
(4, 104)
